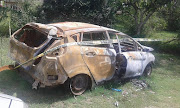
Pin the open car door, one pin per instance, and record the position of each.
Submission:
(129, 60)
(132, 51)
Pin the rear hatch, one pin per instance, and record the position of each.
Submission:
(25, 43)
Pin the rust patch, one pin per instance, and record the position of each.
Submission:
(132, 56)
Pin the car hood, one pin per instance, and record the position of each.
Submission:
(147, 48)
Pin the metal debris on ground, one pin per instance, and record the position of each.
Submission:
(141, 84)
(116, 104)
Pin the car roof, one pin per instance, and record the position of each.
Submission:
(69, 28)
(66, 26)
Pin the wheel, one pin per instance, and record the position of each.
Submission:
(148, 70)
(79, 84)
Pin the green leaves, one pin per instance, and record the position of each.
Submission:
(140, 11)
(92, 11)
(17, 18)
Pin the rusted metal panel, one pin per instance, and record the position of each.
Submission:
(100, 61)
(20, 53)
(72, 61)
(67, 26)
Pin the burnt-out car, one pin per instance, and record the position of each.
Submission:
(86, 55)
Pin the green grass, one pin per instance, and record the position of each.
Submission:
(4, 48)
(163, 35)
(163, 90)
(167, 46)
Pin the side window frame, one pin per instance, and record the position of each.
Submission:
(77, 35)
(105, 33)
(135, 44)
(116, 39)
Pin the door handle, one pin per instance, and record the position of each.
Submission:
(90, 54)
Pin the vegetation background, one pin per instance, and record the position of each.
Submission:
(137, 18)
(157, 19)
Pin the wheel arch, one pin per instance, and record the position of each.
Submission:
(81, 71)
(151, 63)
(144, 73)
(89, 78)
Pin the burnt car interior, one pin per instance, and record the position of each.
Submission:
(31, 37)
(126, 43)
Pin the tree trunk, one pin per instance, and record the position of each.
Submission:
(138, 32)
(142, 22)
(138, 29)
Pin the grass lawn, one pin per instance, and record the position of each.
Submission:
(163, 35)
(4, 48)
(163, 90)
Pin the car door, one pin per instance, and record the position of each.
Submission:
(131, 50)
(99, 58)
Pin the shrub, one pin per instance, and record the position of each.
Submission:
(17, 19)
(155, 23)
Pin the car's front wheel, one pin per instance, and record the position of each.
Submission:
(148, 70)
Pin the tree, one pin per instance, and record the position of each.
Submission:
(141, 10)
(17, 18)
(99, 12)
(171, 13)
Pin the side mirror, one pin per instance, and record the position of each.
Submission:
(145, 49)
(53, 31)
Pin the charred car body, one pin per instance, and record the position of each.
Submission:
(96, 55)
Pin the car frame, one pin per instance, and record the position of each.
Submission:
(89, 54)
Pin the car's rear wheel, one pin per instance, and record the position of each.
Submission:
(148, 70)
(79, 84)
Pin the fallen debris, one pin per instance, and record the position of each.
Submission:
(116, 104)
(118, 90)
(141, 84)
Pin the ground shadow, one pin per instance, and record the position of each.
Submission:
(12, 84)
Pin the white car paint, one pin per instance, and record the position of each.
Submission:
(137, 62)
(7, 101)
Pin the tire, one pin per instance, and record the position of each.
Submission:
(79, 84)
(147, 71)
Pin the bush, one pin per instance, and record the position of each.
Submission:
(17, 19)
(4, 23)
(155, 23)
(125, 24)
(171, 46)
